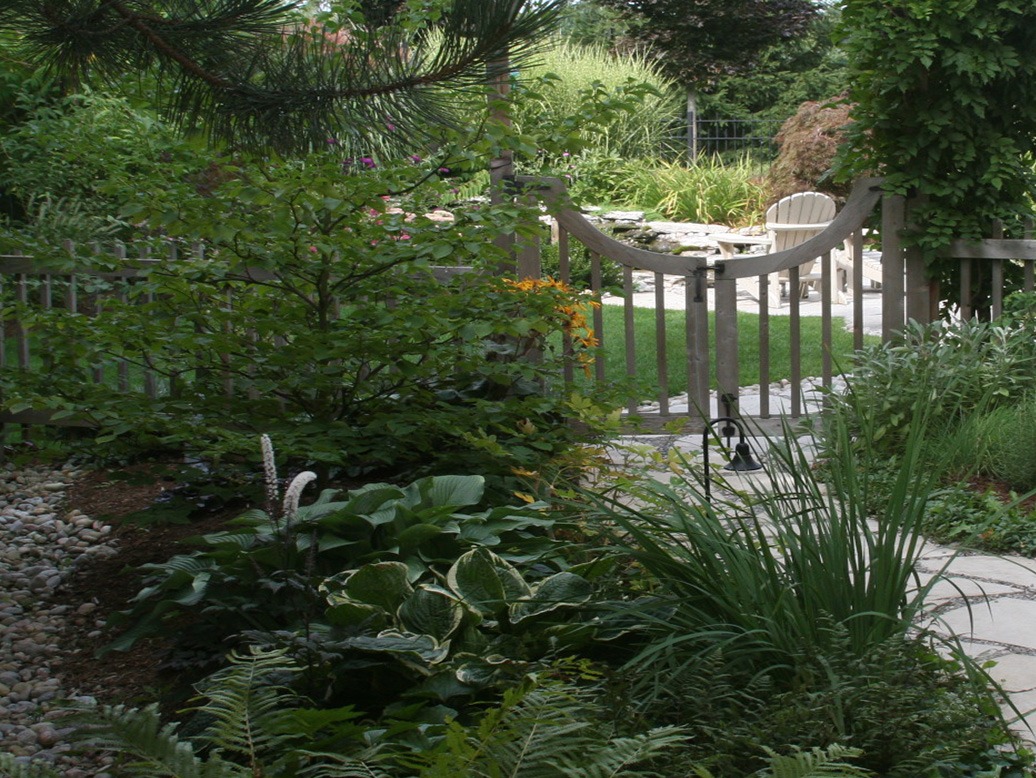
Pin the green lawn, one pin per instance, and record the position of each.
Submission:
(748, 346)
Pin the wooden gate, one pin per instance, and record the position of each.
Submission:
(711, 354)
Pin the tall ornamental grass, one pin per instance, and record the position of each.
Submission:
(573, 87)
(710, 191)
(763, 579)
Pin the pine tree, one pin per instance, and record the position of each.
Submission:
(262, 74)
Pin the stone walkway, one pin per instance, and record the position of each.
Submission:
(989, 602)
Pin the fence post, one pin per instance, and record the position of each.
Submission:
(893, 219)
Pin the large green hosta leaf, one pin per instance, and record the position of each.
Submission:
(485, 582)
(558, 591)
(425, 649)
(441, 491)
(431, 611)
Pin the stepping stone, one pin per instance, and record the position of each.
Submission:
(1012, 570)
(1016, 673)
(1007, 620)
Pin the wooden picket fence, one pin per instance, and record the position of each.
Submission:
(906, 294)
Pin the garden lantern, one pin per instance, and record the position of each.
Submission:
(741, 462)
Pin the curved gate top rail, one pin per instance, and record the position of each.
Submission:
(865, 195)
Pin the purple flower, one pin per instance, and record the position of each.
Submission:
(415, 158)
(444, 170)
(332, 141)
(367, 162)
(390, 127)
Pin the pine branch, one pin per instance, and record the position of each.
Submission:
(259, 77)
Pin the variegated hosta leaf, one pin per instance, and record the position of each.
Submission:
(558, 591)
(403, 644)
(486, 582)
(431, 612)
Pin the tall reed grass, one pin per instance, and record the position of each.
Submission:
(797, 568)
(710, 191)
(569, 83)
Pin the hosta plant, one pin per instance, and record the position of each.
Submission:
(413, 585)
(481, 623)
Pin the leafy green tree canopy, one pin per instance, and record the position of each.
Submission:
(264, 74)
(707, 38)
(945, 95)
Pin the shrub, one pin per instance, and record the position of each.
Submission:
(344, 347)
(808, 143)
(583, 97)
(944, 371)
(47, 158)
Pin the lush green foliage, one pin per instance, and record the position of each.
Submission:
(1000, 444)
(771, 627)
(728, 565)
(955, 369)
(783, 617)
(411, 586)
(805, 68)
(973, 382)
(255, 725)
(945, 108)
(964, 513)
(316, 300)
(72, 184)
(710, 191)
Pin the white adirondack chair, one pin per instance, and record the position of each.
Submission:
(793, 220)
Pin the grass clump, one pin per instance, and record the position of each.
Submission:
(709, 191)
(787, 618)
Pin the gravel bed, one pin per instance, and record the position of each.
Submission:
(41, 544)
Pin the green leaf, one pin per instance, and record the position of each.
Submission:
(485, 582)
(382, 583)
(414, 536)
(431, 612)
(453, 491)
(349, 613)
(557, 591)
(392, 641)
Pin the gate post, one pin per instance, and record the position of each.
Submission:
(893, 220)
(727, 376)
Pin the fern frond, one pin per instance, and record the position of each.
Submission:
(617, 755)
(153, 748)
(815, 763)
(10, 767)
(546, 731)
(338, 766)
(241, 695)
